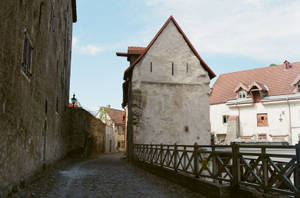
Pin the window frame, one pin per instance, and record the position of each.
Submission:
(242, 93)
(225, 119)
(262, 120)
(26, 65)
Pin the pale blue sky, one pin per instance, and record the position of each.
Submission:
(229, 35)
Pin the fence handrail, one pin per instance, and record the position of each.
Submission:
(266, 171)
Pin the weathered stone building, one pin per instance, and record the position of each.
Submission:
(35, 54)
(166, 90)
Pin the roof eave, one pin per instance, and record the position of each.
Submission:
(74, 11)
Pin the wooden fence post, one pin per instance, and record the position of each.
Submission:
(196, 160)
(175, 158)
(235, 165)
(297, 171)
(265, 168)
(151, 154)
(214, 163)
(161, 154)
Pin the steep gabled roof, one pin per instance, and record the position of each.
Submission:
(275, 79)
(116, 115)
(128, 71)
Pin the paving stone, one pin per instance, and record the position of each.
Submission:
(107, 176)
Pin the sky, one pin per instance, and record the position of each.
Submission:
(229, 35)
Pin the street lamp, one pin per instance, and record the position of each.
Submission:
(74, 100)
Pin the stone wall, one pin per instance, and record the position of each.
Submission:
(33, 105)
(86, 133)
(168, 106)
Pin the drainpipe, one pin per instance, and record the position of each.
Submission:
(290, 120)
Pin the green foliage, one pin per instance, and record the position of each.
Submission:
(102, 113)
(272, 64)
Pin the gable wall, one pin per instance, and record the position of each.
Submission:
(163, 105)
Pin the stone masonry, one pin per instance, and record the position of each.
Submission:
(86, 133)
(35, 54)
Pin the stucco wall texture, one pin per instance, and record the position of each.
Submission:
(33, 110)
(170, 108)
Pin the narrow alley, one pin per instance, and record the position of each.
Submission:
(106, 176)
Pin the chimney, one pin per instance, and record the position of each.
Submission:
(108, 106)
(287, 64)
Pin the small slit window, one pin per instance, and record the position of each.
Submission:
(52, 15)
(172, 69)
(57, 104)
(46, 107)
(187, 68)
(150, 66)
(27, 55)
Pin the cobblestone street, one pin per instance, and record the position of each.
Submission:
(106, 176)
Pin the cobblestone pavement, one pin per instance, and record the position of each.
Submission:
(108, 176)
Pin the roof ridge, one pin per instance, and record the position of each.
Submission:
(171, 18)
(258, 68)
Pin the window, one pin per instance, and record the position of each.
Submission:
(57, 105)
(187, 68)
(27, 55)
(46, 106)
(150, 66)
(262, 136)
(225, 119)
(262, 119)
(298, 87)
(52, 18)
(172, 69)
(242, 94)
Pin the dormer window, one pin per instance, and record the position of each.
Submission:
(242, 94)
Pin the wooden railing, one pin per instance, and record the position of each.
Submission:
(268, 169)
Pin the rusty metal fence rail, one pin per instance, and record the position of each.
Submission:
(268, 169)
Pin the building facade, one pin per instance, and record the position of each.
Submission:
(35, 55)
(257, 105)
(115, 119)
(166, 90)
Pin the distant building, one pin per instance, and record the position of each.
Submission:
(109, 139)
(166, 90)
(35, 56)
(114, 118)
(261, 104)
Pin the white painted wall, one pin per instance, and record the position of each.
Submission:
(248, 118)
(109, 136)
(169, 103)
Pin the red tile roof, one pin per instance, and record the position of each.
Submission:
(116, 115)
(278, 80)
(132, 50)
(75, 105)
(128, 71)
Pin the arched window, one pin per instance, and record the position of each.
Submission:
(242, 94)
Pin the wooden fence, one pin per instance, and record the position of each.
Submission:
(268, 169)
